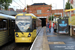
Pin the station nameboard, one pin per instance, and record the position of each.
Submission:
(63, 27)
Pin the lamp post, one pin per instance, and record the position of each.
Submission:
(55, 6)
(63, 7)
(55, 11)
(48, 14)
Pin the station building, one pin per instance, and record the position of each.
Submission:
(43, 11)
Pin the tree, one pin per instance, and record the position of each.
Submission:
(51, 17)
(5, 3)
(68, 5)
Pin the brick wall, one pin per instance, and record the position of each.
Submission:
(57, 11)
(44, 10)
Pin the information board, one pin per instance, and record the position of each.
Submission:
(63, 27)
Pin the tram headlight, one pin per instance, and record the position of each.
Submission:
(29, 35)
(17, 35)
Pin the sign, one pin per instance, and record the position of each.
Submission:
(63, 27)
(23, 17)
(57, 15)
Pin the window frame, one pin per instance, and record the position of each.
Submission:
(3, 25)
(34, 24)
(39, 11)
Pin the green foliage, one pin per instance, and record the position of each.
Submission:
(68, 5)
(5, 3)
(50, 18)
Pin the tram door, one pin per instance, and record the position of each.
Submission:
(9, 29)
(12, 26)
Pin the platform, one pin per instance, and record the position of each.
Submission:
(52, 41)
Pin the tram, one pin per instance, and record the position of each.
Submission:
(25, 27)
(7, 26)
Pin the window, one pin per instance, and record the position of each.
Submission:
(34, 24)
(38, 11)
(3, 24)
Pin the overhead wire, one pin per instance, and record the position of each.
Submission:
(17, 3)
(21, 2)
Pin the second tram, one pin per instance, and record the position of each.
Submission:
(7, 26)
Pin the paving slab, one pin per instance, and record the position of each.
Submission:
(62, 47)
(60, 42)
(38, 42)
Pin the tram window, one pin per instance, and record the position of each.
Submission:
(34, 24)
(3, 24)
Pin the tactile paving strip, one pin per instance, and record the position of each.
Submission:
(56, 43)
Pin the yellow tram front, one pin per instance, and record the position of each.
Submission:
(25, 28)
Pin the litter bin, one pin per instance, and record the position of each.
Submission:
(73, 30)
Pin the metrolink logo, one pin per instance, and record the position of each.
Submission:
(63, 24)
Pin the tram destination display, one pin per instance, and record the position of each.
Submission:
(63, 27)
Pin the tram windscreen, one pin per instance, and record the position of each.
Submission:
(23, 23)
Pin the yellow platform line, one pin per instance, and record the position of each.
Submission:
(56, 43)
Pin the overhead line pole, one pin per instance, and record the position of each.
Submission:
(70, 21)
(63, 7)
(25, 3)
(21, 2)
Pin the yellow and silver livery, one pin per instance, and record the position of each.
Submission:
(25, 28)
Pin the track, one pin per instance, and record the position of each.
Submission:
(22, 46)
(14, 46)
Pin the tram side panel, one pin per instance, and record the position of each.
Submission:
(38, 23)
(4, 32)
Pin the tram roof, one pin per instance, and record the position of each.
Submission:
(6, 16)
(28, 14)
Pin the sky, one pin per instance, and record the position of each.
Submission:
(21, 4)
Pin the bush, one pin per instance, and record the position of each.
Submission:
(50, 18)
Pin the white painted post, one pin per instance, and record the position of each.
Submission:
(70, 21)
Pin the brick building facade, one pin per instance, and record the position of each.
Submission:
(42, 10)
